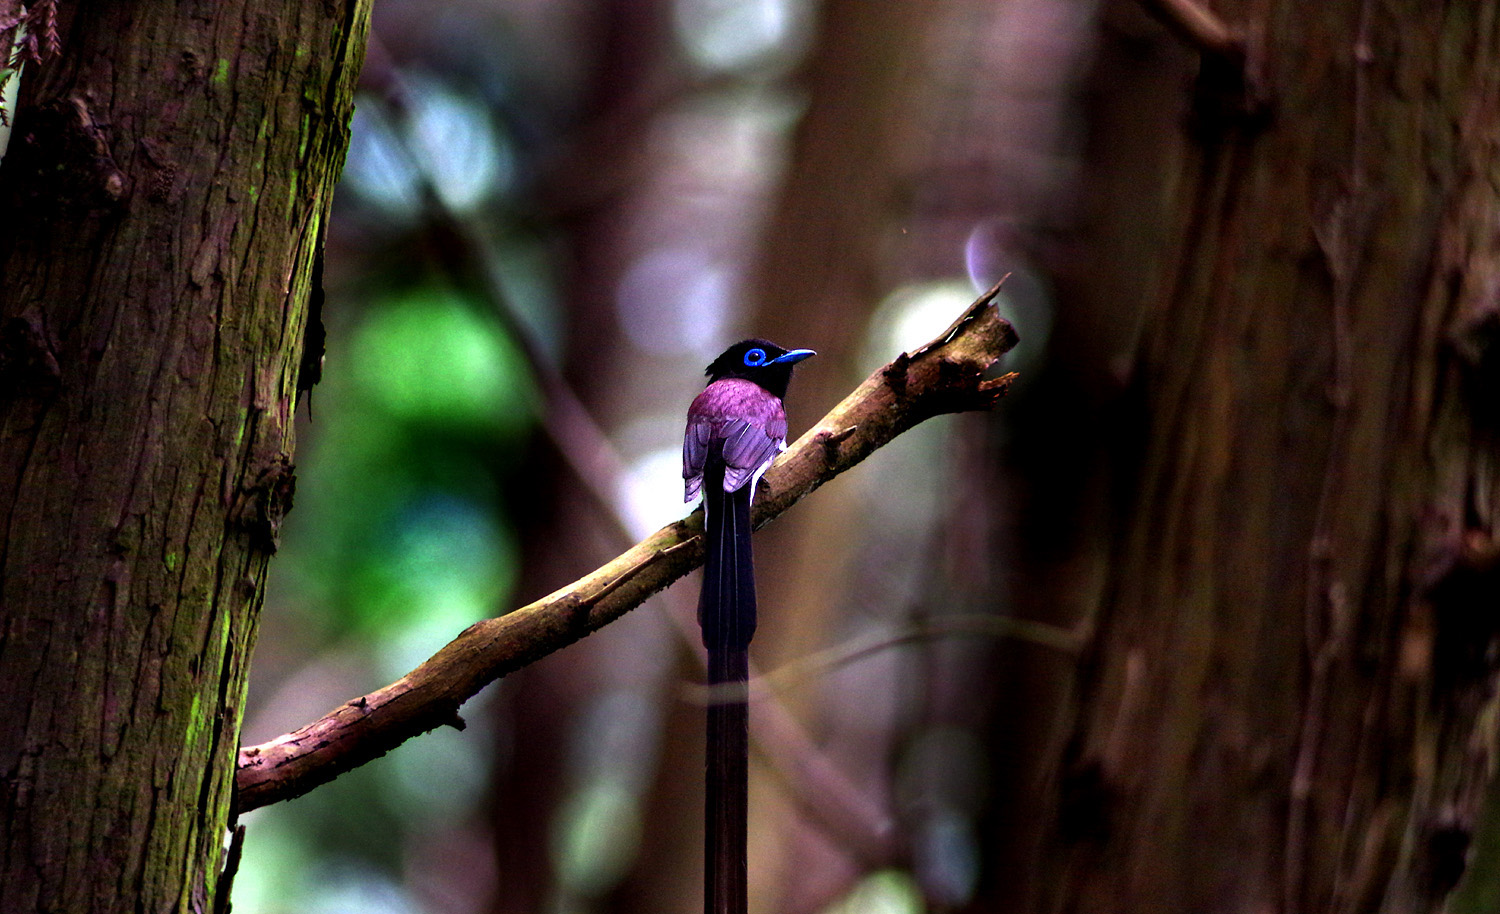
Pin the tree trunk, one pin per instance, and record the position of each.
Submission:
(163, 197)
(1289, 700)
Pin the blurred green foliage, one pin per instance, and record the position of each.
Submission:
(397, 523)
(399, 540)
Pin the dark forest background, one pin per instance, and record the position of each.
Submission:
(1202, 618)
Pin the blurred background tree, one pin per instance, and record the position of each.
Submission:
(1197, 622)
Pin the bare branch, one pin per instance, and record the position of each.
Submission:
(1199, 27)
(947, 375)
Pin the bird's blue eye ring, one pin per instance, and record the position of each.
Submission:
(755, 357)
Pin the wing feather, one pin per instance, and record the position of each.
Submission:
(751, 424)
(747, 450)
(694, 454)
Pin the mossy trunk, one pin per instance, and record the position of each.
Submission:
(1290, 700)
(161, 215)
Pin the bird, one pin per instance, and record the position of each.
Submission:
(735, 429)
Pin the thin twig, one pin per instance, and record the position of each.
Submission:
(813, 782)
(968, 625)
(866, 830)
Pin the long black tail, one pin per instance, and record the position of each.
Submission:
(726, 610)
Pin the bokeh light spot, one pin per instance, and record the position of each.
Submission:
(431, 357)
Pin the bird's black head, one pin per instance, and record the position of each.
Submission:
(763, 362)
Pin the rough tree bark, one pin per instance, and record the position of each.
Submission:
(163, 198)
(1289, 703)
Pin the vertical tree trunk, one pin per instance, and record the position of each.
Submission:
(163, 200)
(1289, 702)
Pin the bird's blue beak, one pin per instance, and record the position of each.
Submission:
(791, 358)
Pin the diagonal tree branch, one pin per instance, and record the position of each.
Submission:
(948, 375)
